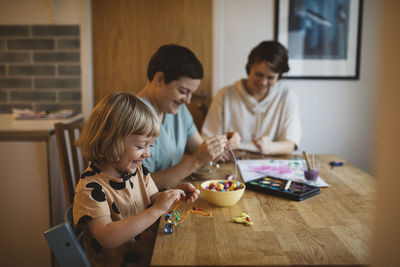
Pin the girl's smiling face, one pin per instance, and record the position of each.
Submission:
(136, 149)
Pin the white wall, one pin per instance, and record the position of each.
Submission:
(59, 12)
(337, 115)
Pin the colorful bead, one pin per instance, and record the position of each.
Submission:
(167, 216)
(224, 186)
(220, 187)
(229, 177)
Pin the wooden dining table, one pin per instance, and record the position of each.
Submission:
(331, 228)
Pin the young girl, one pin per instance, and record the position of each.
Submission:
(116, 199)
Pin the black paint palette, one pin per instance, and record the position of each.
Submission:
(283, 188)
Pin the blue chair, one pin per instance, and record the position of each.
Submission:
(65, 244)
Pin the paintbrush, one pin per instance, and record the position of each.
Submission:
(288, 185)
(307, 160)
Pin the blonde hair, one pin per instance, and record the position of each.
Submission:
(113, 118)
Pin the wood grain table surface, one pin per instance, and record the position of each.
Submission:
(332, 228)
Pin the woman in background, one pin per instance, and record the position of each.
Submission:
(260, 108)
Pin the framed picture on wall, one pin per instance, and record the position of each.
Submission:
(322, 37)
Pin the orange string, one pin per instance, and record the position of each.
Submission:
(194, 211)
(191, 210)
(202, 212)
(185, 216)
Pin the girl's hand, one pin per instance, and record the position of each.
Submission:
(167, 198)
(191, 192)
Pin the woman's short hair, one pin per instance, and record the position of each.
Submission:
(273, 52)
(116, 116)
(174, 62)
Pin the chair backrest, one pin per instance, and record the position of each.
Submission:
(64, 243)
(71, 162)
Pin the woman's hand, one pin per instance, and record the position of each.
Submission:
(268, 147)
(225, 157)
(264, 144)
(211, 148)
(191, 192)
(168, 197)
(234, 139)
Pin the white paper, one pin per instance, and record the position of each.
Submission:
(286, 169)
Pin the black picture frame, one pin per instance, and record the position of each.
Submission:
(323, 37)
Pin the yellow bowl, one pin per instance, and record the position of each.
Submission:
(218, 198)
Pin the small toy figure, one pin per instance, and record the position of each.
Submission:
(244, 218)
(169, 227)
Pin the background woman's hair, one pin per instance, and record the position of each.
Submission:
(116, 116)
(273, 52)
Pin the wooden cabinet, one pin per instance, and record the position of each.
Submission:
(31, 190)
(127, 33)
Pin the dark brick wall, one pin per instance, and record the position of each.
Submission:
(40, 67)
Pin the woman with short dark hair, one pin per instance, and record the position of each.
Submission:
(174, 74)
